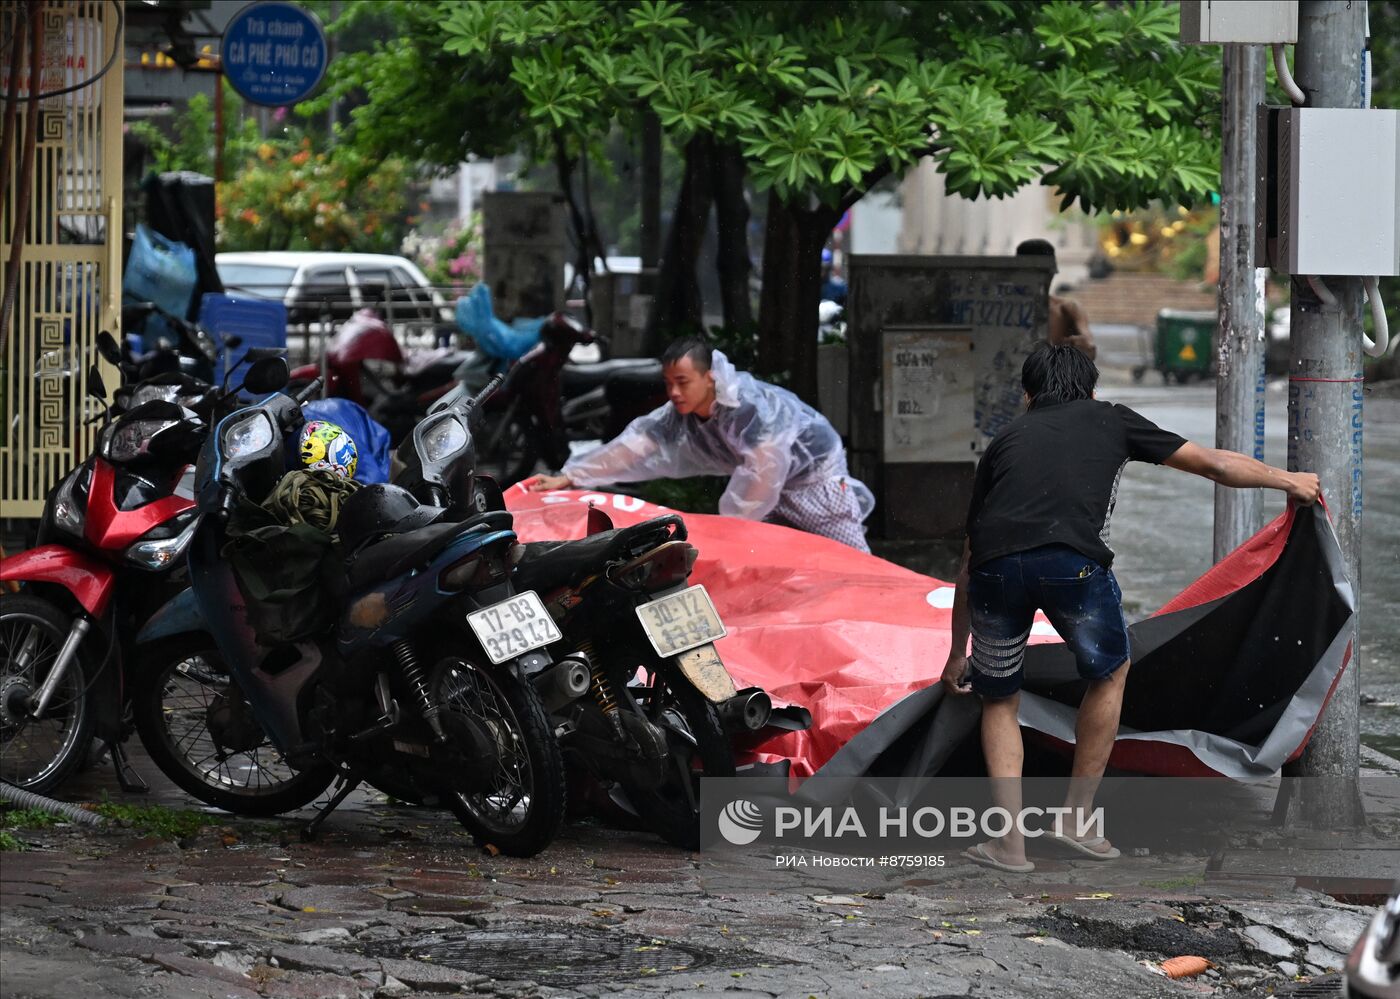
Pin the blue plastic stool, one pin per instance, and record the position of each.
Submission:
(259, 322)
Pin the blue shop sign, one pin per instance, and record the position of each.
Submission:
(274, 53)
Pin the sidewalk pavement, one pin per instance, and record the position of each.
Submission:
(396, 901)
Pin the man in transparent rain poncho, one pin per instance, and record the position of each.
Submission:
(785, 462)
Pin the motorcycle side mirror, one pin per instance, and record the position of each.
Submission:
(268, 374)
(96, 387)
(107, 347)
(258, 353)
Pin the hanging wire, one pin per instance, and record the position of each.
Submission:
(116, 51)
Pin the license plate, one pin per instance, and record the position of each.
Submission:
(513, 627)
(681, 621)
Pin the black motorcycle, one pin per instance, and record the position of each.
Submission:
(659, 703)
(426, 681)
(662, 705)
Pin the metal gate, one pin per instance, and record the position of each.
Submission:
(70, 253)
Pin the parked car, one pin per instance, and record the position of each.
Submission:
(312, 284)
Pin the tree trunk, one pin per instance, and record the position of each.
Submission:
(651, 199)
(677, 308)
(732, 216)
(792, 289)
(587, 242)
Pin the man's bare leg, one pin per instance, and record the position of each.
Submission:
(1004, 752)
(1094, 732)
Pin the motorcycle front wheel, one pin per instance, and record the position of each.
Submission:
(522, 807)
(698, 747)
(40, 754)
(201, 732)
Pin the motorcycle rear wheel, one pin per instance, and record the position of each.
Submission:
(40, 755)
(698, 748)
(186, 684)
(521, 811)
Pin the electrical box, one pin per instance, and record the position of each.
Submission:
(1329, 191)
(1221, 22)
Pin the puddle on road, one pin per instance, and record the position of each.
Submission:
(561, 957)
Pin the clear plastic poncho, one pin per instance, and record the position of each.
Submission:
(765, 438)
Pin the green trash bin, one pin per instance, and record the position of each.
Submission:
(1183, 346)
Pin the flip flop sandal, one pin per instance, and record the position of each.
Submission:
(978, 855)
(1086, 847)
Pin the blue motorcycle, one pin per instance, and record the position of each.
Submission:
(432, 679)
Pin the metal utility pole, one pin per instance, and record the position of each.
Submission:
(1240, 344)
(1325, 413)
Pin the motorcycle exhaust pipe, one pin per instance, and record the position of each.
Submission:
(747, 711)
(563, 683)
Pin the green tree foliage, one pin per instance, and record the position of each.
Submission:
(289, 197)
(826, 98)
(188, 143)
(1098, 101)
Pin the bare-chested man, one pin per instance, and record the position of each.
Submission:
(1068, 322)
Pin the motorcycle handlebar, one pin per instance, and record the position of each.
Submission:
(312, 387)
(469, 405)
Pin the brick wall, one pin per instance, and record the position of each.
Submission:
(1137, 298)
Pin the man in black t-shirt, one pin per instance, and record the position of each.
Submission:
(1037, 530)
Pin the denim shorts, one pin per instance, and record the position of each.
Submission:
(1080, 597)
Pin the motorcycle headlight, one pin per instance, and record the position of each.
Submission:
(442, 440)
(162, 545)
(128, 438)
(249, 435)
(154, 393)
(67, 513)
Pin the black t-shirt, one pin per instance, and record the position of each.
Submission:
(1051, 477)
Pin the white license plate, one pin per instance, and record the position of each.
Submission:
(680, 621)
(513, 627)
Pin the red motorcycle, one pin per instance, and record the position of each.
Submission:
(365, 364)
(110, 551)
(546, 402)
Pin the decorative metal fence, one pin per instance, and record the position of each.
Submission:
(69, 285)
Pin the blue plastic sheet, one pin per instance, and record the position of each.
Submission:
(370, 437)
(505, 341)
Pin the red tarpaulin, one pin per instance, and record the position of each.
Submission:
(848, 636)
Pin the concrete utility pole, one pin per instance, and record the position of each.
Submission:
(1324, 411)
(1239, 381)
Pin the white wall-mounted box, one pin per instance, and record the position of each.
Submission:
(1259, 22)
(1329, 191)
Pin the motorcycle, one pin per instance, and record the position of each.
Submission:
(547, 402)
(193, 351)
(364, 363)
(110, 541)
(431, 679)
(662, 705)
(659, 703)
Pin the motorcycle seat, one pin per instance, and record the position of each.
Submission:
(398, 553)
(549, 565)
(579, 378)
(636, 387)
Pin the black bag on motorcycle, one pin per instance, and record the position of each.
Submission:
(291, 572)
